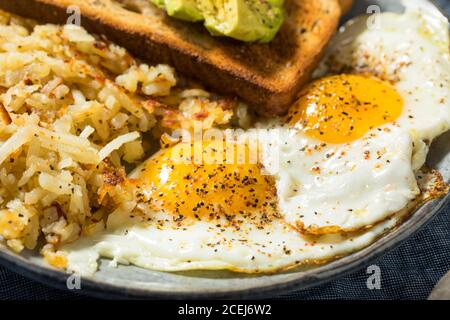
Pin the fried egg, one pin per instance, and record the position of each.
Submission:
(410, 51)
(361, 129)
(330, 178)
(326, 188)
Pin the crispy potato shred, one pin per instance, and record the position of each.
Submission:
(75, 111)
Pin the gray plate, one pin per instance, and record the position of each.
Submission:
(133, 282)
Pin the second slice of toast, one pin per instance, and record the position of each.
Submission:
(266, 76)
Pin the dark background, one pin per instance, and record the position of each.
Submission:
(408, 272)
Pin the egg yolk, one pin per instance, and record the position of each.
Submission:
(209, 189)
(343, 108)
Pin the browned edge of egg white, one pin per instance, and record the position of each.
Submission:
(439, 189)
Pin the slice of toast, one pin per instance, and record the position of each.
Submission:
(266, 76)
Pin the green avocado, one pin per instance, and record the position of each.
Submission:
(245, 20)
(159, 3)
(184, 10)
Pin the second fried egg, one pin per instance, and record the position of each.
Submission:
(351, 143)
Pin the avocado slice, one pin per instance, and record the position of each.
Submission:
(159, 3)
(245, 20)
(183, 9)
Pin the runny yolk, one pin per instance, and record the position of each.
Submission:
(343, 108)
(215, 187)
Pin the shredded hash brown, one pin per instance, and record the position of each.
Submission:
(74, 110)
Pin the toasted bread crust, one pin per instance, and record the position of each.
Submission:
(267, 76)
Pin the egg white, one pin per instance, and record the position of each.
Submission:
(345, 187)
(322, 191)
(162, 245)
(411, 50)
